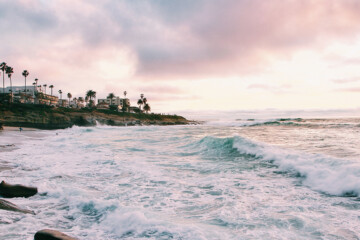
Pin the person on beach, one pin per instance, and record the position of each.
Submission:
(20, 128)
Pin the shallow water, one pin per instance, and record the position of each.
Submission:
(239, 179)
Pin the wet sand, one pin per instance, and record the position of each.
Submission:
(11, 139)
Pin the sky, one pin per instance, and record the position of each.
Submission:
(190, 55)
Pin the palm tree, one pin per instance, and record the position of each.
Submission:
(9, 72)
(125, 106)
(69, 96)
(147, 108)
(60, 92)
(91, 94)
(51, 87)
(111, 96)
(81, 100)
(140, 102)
(3, 68)
(45, 85)
(141, 96)
(144, 101)
(36, 80)
(25, 73)
(34, 84)
(125, 92)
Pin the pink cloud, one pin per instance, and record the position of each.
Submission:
(347, 80)
(63, 40)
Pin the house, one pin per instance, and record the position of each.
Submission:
(103, 105)
(117, 101)
(63, 103)
(32, 95)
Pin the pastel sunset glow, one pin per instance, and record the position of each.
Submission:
(190, 55)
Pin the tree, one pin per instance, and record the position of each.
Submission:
(9, 72)
(69, 97)
(3, 68)
(111, 96)
(45, 85)
(91, 94)
(25, 73)
(125, 93)
(60, 92)
(81, 100)
(39, 95)
(125, 106)
(51, 87)
(144, 101)
(34, 84)
(140, 102)
(147, 108)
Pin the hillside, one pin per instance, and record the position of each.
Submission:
(46, 117)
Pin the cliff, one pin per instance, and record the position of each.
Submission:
(46, 117)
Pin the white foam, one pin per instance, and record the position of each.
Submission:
(323, 173)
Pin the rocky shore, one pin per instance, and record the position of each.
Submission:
(46, 117)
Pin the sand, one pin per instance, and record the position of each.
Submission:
(11, 137)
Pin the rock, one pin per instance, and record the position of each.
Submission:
(6, 205)
(48, 234)
(10, 191)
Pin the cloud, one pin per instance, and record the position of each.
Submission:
(182, 39)
(354, 89)
(346, 80)
(117, 45)
(235, 38)
(271, 88)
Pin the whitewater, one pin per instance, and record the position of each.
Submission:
(239, 177)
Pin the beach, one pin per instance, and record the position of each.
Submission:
(11, 137)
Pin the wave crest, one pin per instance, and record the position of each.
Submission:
(334, 176)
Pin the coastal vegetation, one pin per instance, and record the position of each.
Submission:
(48, 117)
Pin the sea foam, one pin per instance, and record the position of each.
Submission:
(323, 173)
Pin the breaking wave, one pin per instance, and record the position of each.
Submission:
(334, 176)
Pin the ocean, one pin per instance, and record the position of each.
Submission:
(238, 175)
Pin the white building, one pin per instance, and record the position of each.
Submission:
(115, 101)
(20, 89)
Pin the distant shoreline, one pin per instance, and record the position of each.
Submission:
(46, 117)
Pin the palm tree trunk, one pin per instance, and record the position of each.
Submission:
(25, 85)
(11, 97)
(3, 84)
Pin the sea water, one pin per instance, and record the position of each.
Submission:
(243, 177)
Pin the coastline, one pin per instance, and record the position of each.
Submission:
(46, 117)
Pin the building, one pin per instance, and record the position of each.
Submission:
(32, 95)
(117, 101)
(30, 90)
(63, 103)
(103, 105)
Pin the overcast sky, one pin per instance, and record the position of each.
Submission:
(190, 54)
